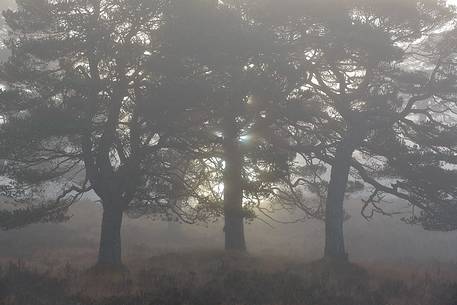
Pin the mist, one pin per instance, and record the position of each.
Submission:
(250, 152)
(382, 239)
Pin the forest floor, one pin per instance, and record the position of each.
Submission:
(212, 278)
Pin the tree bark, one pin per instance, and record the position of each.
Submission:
(233, 188)
(334, 211)
(110, 240)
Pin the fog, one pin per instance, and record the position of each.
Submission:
(250, 152)
(383, 239)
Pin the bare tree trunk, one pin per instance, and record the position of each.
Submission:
(334, 211)
(233, 189)
(110, 239)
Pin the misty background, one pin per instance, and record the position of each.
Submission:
(381, 239)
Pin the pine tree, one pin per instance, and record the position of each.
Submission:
(86, 111)
(362, 93)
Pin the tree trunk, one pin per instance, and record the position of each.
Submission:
(233, 189)
(110, 240)
(334, 211)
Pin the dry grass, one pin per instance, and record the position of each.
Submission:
(212, 277)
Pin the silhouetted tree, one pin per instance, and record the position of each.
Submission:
(430, 173)
(85, 111)
(362, 92)
(237, 60)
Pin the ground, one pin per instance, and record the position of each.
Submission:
(213, 277)
(171, 264)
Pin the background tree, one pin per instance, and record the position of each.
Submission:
(236, 59)
(435, 195)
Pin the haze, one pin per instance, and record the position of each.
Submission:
(228, 152)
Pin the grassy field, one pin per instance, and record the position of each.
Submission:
(212, 277)
(177, 264)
